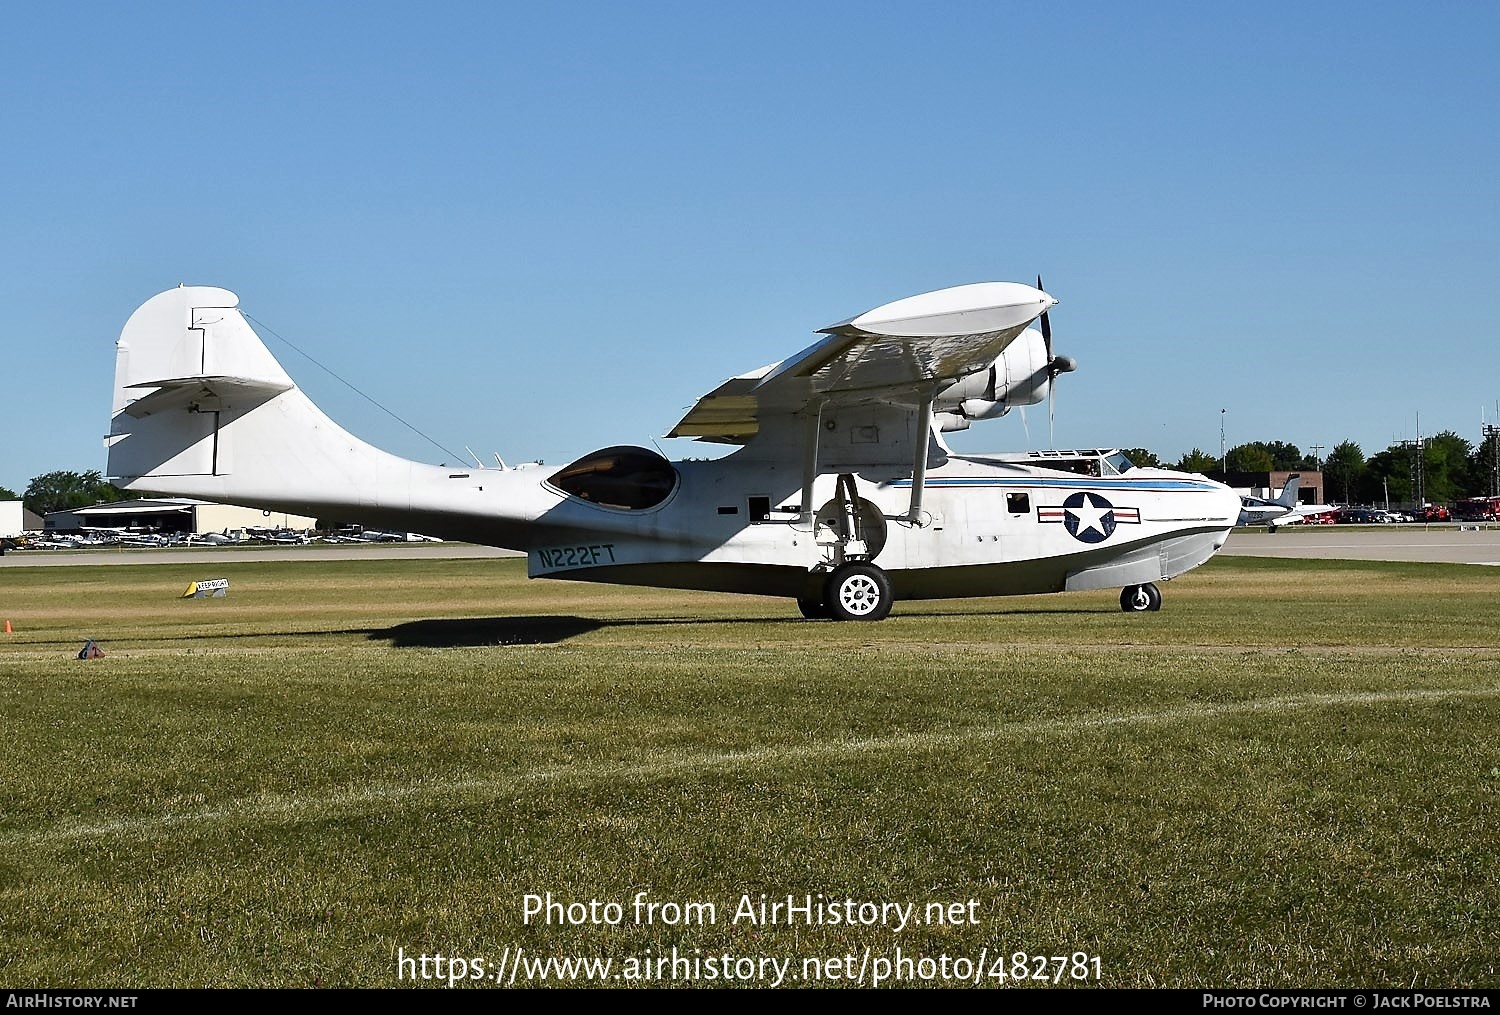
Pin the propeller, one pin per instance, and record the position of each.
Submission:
(1055, 365)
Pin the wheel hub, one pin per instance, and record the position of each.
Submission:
(859, 594)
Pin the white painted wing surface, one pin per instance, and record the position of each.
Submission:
(901, 353)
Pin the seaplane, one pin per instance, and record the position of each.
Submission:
(842, 492)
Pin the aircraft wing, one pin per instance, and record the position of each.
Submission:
(901, 353)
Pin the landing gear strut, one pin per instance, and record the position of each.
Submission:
(1140, 598)
(850, 531)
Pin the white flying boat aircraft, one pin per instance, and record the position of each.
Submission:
(843, 495)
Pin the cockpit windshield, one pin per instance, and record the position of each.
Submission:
(1117, 463)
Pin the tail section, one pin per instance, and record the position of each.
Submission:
(1288, 498)
(186, 365)
(202, 409)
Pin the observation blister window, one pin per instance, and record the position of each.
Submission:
(630, 479)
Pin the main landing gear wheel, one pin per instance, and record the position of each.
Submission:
(813, 609)
(1140, 598)
(857, 591)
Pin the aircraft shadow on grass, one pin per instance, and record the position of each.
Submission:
(477, 632)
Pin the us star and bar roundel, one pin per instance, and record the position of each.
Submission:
(1088, 517)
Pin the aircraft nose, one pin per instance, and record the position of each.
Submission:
(1226, 504)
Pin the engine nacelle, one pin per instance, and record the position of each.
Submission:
(1019, 376)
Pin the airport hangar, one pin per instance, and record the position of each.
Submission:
(173, 515)
(1270, 484)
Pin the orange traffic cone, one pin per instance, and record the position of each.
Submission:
(7, 627)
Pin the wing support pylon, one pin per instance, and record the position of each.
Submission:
(919, 460)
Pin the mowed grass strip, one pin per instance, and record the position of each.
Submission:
(342, 759)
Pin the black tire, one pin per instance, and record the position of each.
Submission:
(812, 609)
(1140, 598)
(858, 591)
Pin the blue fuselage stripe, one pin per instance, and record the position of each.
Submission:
(1081, 483)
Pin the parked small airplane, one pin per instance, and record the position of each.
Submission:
(1260, 511)
(1306, 514)
(843, 495)
(50, 544)
(143, 539)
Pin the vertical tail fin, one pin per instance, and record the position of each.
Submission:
(1288, 498)
(185, 365)
(202, 409)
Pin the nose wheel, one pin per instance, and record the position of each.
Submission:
(1140, 598)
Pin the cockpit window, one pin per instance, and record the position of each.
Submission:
(1119, 463)
(1080, 466)
(631, 479)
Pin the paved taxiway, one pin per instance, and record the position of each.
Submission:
(227, 554)
(1436, 544)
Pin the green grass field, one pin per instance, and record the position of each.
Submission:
(1288, 777)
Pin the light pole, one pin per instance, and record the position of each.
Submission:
(1492, 438)
(1223, 462)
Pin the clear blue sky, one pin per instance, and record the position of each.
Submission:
(539, 229)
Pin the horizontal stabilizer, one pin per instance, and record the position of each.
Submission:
(207, 394)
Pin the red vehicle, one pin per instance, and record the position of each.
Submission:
(1477, 509)
(1433, 513)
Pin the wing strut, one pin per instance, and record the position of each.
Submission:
(919, 465)
(810, 435)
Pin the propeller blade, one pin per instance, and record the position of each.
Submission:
(1046, 325)
(1055, 366)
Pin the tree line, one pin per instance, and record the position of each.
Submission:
(63, 491)
(1452, 468)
